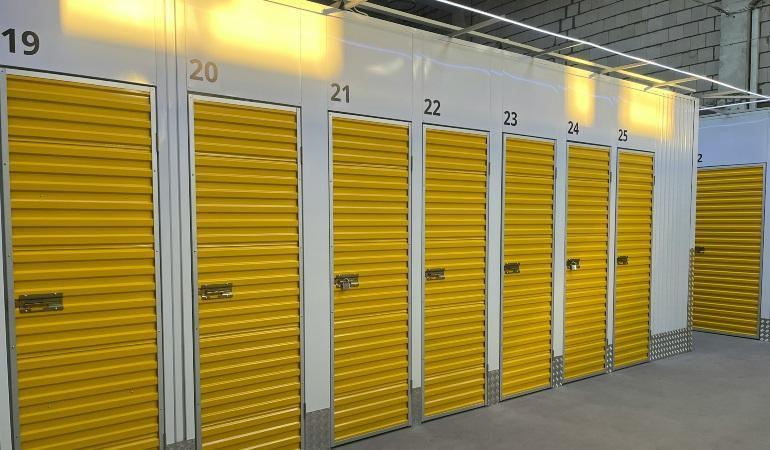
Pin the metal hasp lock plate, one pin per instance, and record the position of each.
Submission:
(346, 281)
(513, 267)
(573, 264)
(220, 291)
(29, 303)
(622, 260)
(700, 250)
(434, 274)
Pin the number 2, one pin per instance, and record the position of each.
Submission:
(700, 157)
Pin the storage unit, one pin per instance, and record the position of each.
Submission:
(728, 246)
(633, 241)
(81, 230)
(370, 204)
(248, 273)
(455, 270)
(729, 261)
(527, 265)
(585, 323)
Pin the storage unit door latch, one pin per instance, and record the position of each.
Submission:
(700, 250)
(573, 264)
(218, 291)
(28, 303)
(434, 274)
(622, 260)
(346, 281)
(513, 267)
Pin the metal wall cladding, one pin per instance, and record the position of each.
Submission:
(528, 265)
(455, 241)
(371, 240)
(728, 242)
(634, 257)
(247, 218)
(81, 178)
(585, 309)
(674, 215)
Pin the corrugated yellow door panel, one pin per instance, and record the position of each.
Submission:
(371, 239)
(455, 240)
(528, 242)
(585, 325)
(729, 230)
(634, 242)
(81, 195)
(247, 218)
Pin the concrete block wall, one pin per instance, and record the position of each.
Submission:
(764, 50)
(680, 33)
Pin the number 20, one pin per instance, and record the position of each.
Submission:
(208, 70)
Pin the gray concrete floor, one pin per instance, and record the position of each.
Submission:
(717, 397)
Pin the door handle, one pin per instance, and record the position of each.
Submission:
(30, 303)
(573, 264)
(434, 274)
(622, 260)
(700, 250)
(219, 291)
(512, 267)
(346, 281)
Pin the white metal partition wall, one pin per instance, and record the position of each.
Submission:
(326, 60)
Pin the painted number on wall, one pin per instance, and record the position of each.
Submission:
(432, 107)
(622, 135)
(204, 71)
(511, 118)
(700, 157)
(574, 127)
(339, 89)
(29, 40)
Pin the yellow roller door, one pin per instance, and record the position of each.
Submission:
(585, 326)
(248, 275)
(455, 271)
(371, 295)
(528, 265)
(634, 252)
(81, 190)
(728, 243)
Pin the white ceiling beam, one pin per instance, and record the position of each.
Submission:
(473, 27)
(672, 83)
(350, 4)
